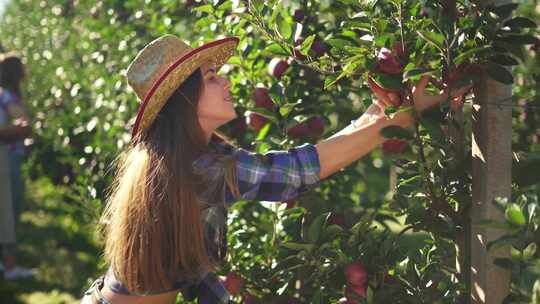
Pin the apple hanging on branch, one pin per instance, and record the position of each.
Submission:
(234, 283)
(385, 80)
(356, 276)
(256, 121)
(277, 67)
(262, 98)
(313, 127)
(394, 146)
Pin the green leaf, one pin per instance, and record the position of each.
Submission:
(514, 39)
(284, 27)
(524, 171)
(331, 232)
(263, 132)
(339, 43)
(316, 227)
(461, 57)
(275, 49)
(396, 132)
(416, 72)
(520, 22)
(411, 181)
(389, 110)
(503, 59)
(529, 251)
(499, 73)
(207, 8)
(316, 299)
(504, 10)
(285, 109)
(298, 246)
(434, 38)
(258, 5)
(225, 6)
(505, 240)
(330, 80)
(503, 262)
(496, 225)
(515, 216)
(390, 82)
(306, 45)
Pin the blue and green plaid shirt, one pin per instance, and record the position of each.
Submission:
(273, 176)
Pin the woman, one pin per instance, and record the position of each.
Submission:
(165, 216)
(14, 127)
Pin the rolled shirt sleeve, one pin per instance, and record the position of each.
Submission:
(275, 175)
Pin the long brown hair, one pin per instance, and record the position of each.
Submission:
(11, 73)
(152, 223)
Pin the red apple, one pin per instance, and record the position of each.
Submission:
(394, 146)
(238, 127)
(356, 274)
(298, 130)
(277, 67)
(290, 204)
(296, 51)
(316, 126)
(398, 50)
(392, 96)
(318, 47)
(299, 15)
(337, 219)
(461, 71)
(262, 98)
(353, 290)
(535, 46)
(248, 298)
(233, 283)
(454, 76)
(424, 13)
(256, 121)
(387, 62)
(298, 55)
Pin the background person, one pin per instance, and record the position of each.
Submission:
(14, 127)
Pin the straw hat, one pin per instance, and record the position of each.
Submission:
(162, 65)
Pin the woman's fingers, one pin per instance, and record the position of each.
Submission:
(420, 86)
(461, 91)
(394, 98)
(382, 97)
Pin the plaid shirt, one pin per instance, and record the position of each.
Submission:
(273, 176)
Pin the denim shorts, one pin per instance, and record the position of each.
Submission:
(93, 294)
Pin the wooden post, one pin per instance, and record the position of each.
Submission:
(492, 161)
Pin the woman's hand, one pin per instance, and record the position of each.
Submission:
(423, 101)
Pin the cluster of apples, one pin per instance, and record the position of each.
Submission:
(356, 276)
(390, 62)
(313, 126)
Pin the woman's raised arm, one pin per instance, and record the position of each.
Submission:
(352, 143)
